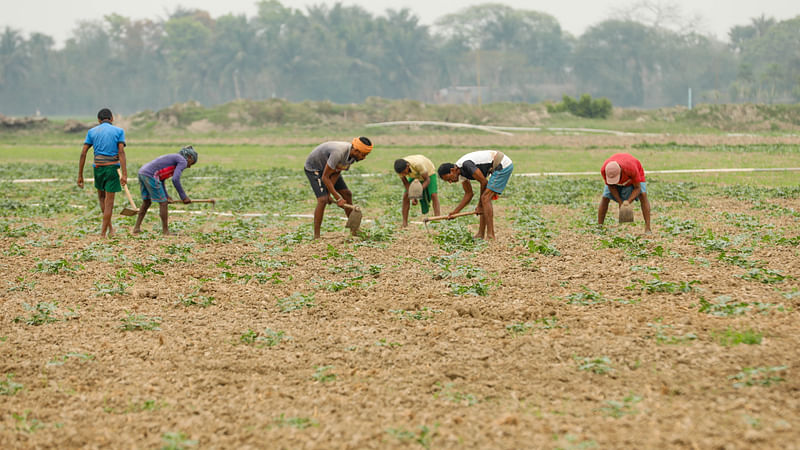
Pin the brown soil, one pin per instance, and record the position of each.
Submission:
(461, 373)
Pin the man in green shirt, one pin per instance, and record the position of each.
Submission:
(418, 167)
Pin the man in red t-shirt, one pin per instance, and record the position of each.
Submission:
(625, 182)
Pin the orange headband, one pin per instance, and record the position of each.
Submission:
(360, 146)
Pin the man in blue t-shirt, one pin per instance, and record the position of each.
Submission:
(109, 158)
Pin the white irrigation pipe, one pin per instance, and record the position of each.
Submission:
(499, 129)
(487, 129)
(530, 174)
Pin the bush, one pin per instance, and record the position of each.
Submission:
(585, 107)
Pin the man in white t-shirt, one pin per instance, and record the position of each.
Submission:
(490, 168)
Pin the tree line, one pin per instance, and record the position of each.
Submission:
(345, 54)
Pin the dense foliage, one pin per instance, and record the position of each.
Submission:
(488, 53)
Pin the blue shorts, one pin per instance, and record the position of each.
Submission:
(499, 179)
(152, 189)
(624, 191)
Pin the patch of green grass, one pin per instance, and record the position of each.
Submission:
(21, 285)
(730, 337)
(9, 386)
(758, 376)
(140, 322)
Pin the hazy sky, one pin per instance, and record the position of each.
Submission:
(58, 18)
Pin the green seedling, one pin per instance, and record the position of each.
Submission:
(383, 342)
(9, 386)
(296, 301)
(44, 313)
(140, 322)
(56, 267)
(196, 299)
(27, 424)
(656, 285)
(454, 237)
(268, 338)
(322, 374)
(117, 284)
(730, 337)
(624, 407)
(758, 376)
(723, 306)
(21, 285)
(422, 314)
(15, 250)
(59, 361)
(478, 288)
(301, 423)
(145, 269)
(662, 337)
(176, 441)
(765, 276)
(424, 437)
(601, 365)
(449, 393)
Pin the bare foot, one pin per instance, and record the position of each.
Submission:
(168, 233)
(136, 231)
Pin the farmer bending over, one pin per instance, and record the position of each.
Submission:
(624, 178)
(152, 183)
(490, 168)
(418, 167)
(109, 156)
(324, 166)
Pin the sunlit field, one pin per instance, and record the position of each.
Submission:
(241, 331)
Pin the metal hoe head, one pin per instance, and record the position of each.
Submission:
(129, 212)
(625, 214)
(354, 220)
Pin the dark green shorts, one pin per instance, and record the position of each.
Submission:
(106, 179)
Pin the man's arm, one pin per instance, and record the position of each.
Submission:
(426, 180)
(123, 164)
(637, 189)
(405, 181)
(329, 178)
(464, 200)
(614, 193)
(81, 164)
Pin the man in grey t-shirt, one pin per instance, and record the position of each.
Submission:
(323, 168)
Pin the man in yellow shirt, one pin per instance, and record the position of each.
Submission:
(418, 167)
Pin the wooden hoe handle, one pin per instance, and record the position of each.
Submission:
(461, 214)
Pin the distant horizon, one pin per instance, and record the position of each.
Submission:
(64, 17)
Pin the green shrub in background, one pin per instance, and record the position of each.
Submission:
(584, 107)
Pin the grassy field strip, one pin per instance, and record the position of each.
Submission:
(530, 174)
